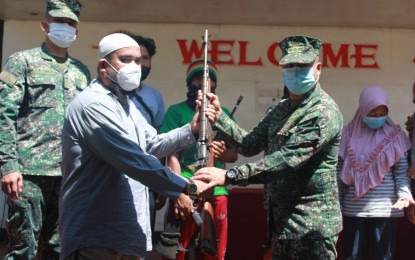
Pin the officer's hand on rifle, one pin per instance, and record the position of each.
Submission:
(210, 113)
(203, 190)
(211, 176)
(214, 101)
(213, 109)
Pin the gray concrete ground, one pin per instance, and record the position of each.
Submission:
(3, 210)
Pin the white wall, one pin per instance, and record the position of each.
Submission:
(259, 85)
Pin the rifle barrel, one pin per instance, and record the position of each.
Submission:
(203, 155)
(236, 106)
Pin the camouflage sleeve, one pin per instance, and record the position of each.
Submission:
(307, 138)
(310, 135)
(12, 86)
(247, 144)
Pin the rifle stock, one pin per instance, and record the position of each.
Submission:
(208, 232)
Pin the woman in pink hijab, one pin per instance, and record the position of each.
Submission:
(372, 174)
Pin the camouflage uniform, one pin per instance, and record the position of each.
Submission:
(301, 141)
(35, 88)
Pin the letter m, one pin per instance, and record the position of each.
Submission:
(342, 55)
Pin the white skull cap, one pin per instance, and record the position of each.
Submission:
(114, 42)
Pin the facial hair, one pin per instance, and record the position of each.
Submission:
(119, 93)
(121, 96)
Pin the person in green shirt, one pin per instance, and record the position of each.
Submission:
(183, 162)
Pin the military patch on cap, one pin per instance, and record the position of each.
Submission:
(197, 66)
(64, 8)
(299, 49)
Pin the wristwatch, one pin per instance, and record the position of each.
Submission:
(232, 174)
(191, 187)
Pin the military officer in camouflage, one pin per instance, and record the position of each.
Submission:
(36, 85)
(300, 136)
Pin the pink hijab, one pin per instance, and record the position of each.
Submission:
(369, 154)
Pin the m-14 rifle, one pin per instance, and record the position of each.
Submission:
(205, 159)
(168, 245)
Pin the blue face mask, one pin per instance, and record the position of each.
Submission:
(299, 80)
(374, 122)
(145, 71)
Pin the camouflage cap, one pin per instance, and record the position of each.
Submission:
(64, 8)
(299, 49)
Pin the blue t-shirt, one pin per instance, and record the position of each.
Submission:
(154, 101)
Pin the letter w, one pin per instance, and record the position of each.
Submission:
(193, 51)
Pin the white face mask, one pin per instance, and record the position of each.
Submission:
(128, 77)
(62, 34)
